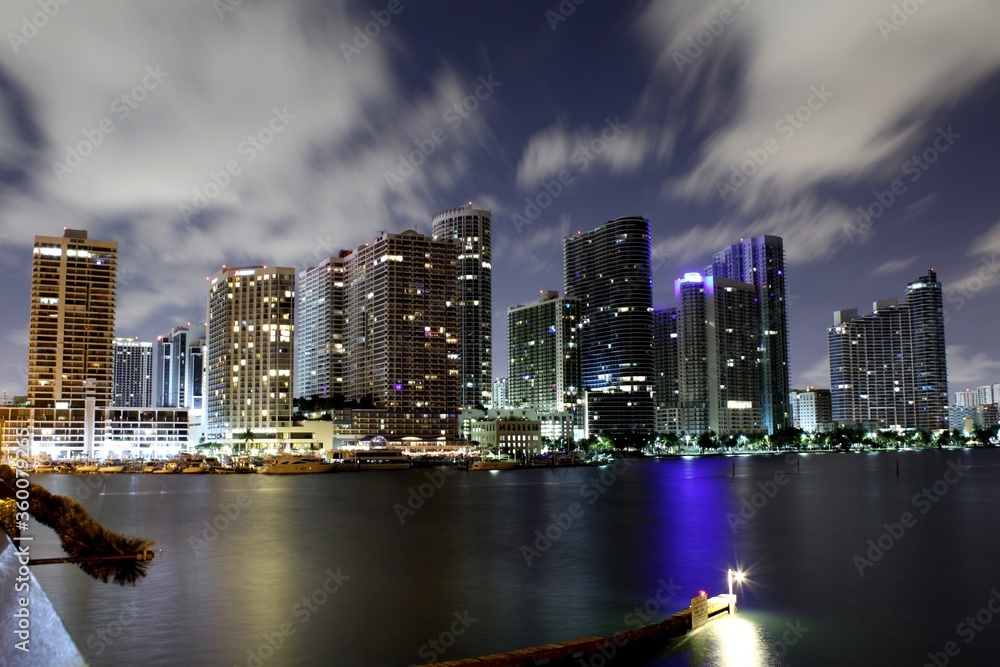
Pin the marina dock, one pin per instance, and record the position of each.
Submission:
(702, 610)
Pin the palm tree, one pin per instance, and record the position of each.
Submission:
(247, 437)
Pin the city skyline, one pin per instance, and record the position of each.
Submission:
(291, 146)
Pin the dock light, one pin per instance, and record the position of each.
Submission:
(734, 575)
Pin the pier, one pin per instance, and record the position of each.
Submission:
(702, 610)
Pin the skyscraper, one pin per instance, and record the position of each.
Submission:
(319, 329)
(665, 348)
(717, 341)
(133, 373)
(543, 352)
(608, 269)
(401, 345)
(760, 262)
(888, 368)
(73, 298)
(179, 368)
(251, 315)
(471, 228)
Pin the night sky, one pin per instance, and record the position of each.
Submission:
(319, 136)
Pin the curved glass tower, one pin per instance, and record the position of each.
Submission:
(471, 227)
(609, 269)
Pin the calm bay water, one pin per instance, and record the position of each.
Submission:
(329, 569)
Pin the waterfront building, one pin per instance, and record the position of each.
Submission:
(470, 228)
(68, 412)
(889, 367)
(72, 321)
(543, 356)
(717, 340)
(760, 261)
(319, 328)
(984, 395)
(667, 392)
(132, 386)
(401, 344)
(251, 315)
(559, 428)
(608, 269)
(812, 410)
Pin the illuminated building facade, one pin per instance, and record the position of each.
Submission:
(470, 228)
(251, 321)
(319, 329)
(133, 373)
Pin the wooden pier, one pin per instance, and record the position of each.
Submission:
(702, 610)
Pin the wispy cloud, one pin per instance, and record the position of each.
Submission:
(892, 266)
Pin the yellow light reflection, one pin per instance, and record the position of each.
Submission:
(741, 643)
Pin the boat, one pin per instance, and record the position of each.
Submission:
(196, 468)
(296, 465)
(492, 464)
(86, 467)
(111, 467)
(151, 466)
(167, 468)
(377, 459)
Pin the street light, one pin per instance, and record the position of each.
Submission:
(732, 575)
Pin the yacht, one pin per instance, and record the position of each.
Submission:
(493, 464)
(296, 465)
(377, 459)
(111, 467)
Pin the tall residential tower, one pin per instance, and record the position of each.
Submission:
(608, 269)
(470, 227)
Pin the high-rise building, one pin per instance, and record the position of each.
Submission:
(72, 363)
(811, 408)
(760, 262)
(966, 398)
(889, 367)
(717, 342)
(133, 373)
(251, 321)
(470, 227)
(665, 347)
(499, 393)
(984, 395)
(319, 329)
(73, 297)
(401, 345)
(543, 355)
(179, 368)
(608, 269)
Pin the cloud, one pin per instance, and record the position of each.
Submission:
(967, 368)
(894, 265)
(289, 151)
(618, 146)
(802, 94)
(817, 375)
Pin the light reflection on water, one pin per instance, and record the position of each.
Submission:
(657, 522)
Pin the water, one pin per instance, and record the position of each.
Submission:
(330, 569)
